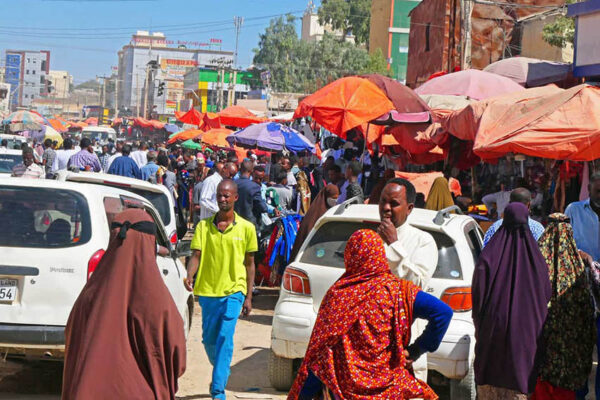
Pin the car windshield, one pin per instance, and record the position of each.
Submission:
(43, 218)
(327, 247)
(159, 200)
(8, 161)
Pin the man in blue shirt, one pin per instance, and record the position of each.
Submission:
(584, 217)
(149, 170)
(125, 165)
(585, 220)
(249, 205)
(519, 195)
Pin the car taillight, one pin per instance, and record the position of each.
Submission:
(296, 281)
(93, 263)
(458, 298)
(173, 238)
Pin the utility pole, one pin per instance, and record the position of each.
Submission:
(145, 109)
(467, 10)
(116, 97)
(238, 22)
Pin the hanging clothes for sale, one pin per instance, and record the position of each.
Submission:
(282, 241)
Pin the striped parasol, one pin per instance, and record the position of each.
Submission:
(24, 119)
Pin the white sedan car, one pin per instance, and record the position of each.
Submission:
(52, 238)
(320, 263)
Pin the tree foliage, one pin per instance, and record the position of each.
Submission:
(299, 66)
(349, 16)
(560, 33)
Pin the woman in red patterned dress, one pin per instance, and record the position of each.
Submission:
(359, 348)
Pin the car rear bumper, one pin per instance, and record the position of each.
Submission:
(17, 335)
(292, 326)
(453, 358)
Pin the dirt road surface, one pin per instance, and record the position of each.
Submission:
(41, 380)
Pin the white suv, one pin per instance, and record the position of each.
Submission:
(320, 263)
(156, 194)
(52, 238)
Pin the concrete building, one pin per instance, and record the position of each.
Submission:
(4, 98)
(172, 60)
(313, 31)
(390, 28)
(61, 83)
(26, 71)
(202, 86)
(586, 57)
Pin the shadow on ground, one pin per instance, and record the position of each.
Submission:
(266, 299)
(33, 377)
(246, 371)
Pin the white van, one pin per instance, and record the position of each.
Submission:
(13, 140)
(52, 238)
(100, 133)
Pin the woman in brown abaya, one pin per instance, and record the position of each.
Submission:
(124, 337)
(326, 199)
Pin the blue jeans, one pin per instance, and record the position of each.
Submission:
(581, 393)
(219, 316)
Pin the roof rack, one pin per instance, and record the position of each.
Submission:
(445, 213)
(342, 207)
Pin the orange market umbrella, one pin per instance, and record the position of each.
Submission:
(216, 137)
(421, 181)
(411, 137)
(92, 121)
(57, 125)
(464, 123)
(345, 104)
(561, 126)
(238, 116)
(185, 135)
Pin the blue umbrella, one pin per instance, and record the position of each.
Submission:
(271, 136)
(171, 128)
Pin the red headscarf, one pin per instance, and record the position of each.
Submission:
(125, 337)
(356, 348)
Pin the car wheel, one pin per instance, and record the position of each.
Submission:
(464, 389)
(281, 372)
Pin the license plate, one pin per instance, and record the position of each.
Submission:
(8, 289)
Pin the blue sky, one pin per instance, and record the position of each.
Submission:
(85, 35)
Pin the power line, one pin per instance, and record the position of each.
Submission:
(176, 27)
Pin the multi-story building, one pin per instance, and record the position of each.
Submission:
(26, 71)
(313, 31)
(390, 28)
(151, 61)
(61, 83)
(203, 85)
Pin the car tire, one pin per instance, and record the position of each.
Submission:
(281, 372)
(186, 322)
(465, 388)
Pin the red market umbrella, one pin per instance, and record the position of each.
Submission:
(345, 104)
(473, 83)
(192, 117)
(408, 106)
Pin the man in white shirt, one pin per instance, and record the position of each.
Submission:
(140, 156)
(63, 155)
(501, 198)
(412, 254)
(208, 195)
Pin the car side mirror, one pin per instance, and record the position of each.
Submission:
(182, 249)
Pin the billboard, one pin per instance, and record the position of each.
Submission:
(13, 76)
(586, 58)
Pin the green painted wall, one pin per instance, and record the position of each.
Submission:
(399, 51)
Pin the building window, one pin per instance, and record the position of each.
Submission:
(427, 30)
(27, 72)
(33, 71)
(43, 65)
(42, 80)
(26, 96)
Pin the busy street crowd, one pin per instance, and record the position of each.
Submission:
(534, 290)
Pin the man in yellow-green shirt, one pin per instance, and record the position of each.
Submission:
(224, 247)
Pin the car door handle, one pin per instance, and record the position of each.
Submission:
(165, 272)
